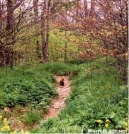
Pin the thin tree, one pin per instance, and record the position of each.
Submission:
(45, 25)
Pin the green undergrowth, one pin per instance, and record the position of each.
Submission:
(61, 68)
(32, 117)
(58, 41)
(31, 84)
(24, 85)
(27, 91)
(98, 100)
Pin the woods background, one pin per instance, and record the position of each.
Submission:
(35, 31)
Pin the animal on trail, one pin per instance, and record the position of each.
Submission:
(62, 81)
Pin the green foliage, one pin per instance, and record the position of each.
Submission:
(77, 62)
(2, 100)
(98, 99)
(24, 85)
(57, 44)
(23, 91)
(97, 104)
(32, 117)
(44, 104)
(61, 69)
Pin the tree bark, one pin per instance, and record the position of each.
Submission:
(85, 8)
(36, 18)
(0, 16)
(10, 34)
(45, 18)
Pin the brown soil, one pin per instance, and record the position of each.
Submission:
(59, 103)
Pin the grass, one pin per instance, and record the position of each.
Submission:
(32, 117)
(25, 85)
(98, 99)
(100, 104)
(61, 69)
(27, 91)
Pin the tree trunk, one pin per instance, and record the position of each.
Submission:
(122, 67)
(1, 44)
(35, 5)
(85, 8)
(45, 30)
(0, 17)
(9, 32)
(45, 52)
(65, 49)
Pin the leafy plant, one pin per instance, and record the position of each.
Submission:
(32, 117)
(101, 104)
(27, 86)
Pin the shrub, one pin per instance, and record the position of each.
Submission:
(2, 99)
(22, 92)
(32, 117)
(97, 104)
(61, 69)
(24, 85)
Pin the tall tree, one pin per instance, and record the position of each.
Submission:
(36, 20)
(1, 44)
(45, 24)
(110, 26)
(85, 8)
(10, 34)
(0, 16)
(107, 22)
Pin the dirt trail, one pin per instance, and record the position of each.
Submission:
(59, 103)
(53, 111)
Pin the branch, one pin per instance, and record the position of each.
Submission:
(18, 4)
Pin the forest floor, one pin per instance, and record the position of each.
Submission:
(59, 103)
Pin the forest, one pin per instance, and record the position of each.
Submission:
(63, 66)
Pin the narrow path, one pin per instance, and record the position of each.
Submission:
(59, 103)
(53, 111)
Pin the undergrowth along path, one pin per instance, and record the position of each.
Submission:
(59, 103)
(53, 111)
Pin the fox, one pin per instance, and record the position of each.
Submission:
(62, 81)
